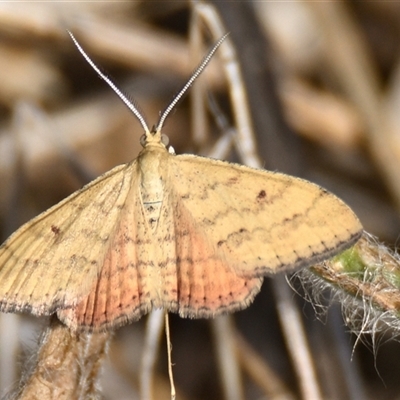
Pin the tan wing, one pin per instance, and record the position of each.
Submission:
(52, 260)
(199, 281)
(262, 222)
(125, 287)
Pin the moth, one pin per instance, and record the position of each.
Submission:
(189, 234)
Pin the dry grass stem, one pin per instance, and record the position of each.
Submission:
(224, 332)
(67, 366)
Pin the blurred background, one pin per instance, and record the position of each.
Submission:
(322, 84)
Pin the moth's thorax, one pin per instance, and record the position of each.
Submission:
(152, 164)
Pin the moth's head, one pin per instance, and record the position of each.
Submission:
(154, 138)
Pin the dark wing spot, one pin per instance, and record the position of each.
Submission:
(261, 195)
(55, 229)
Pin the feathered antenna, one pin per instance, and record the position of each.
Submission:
(130, 104)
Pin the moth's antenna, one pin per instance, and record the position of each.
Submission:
(127, 102)
(194, 76)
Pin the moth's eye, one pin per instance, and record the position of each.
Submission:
(143, 140)
(164, 140)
